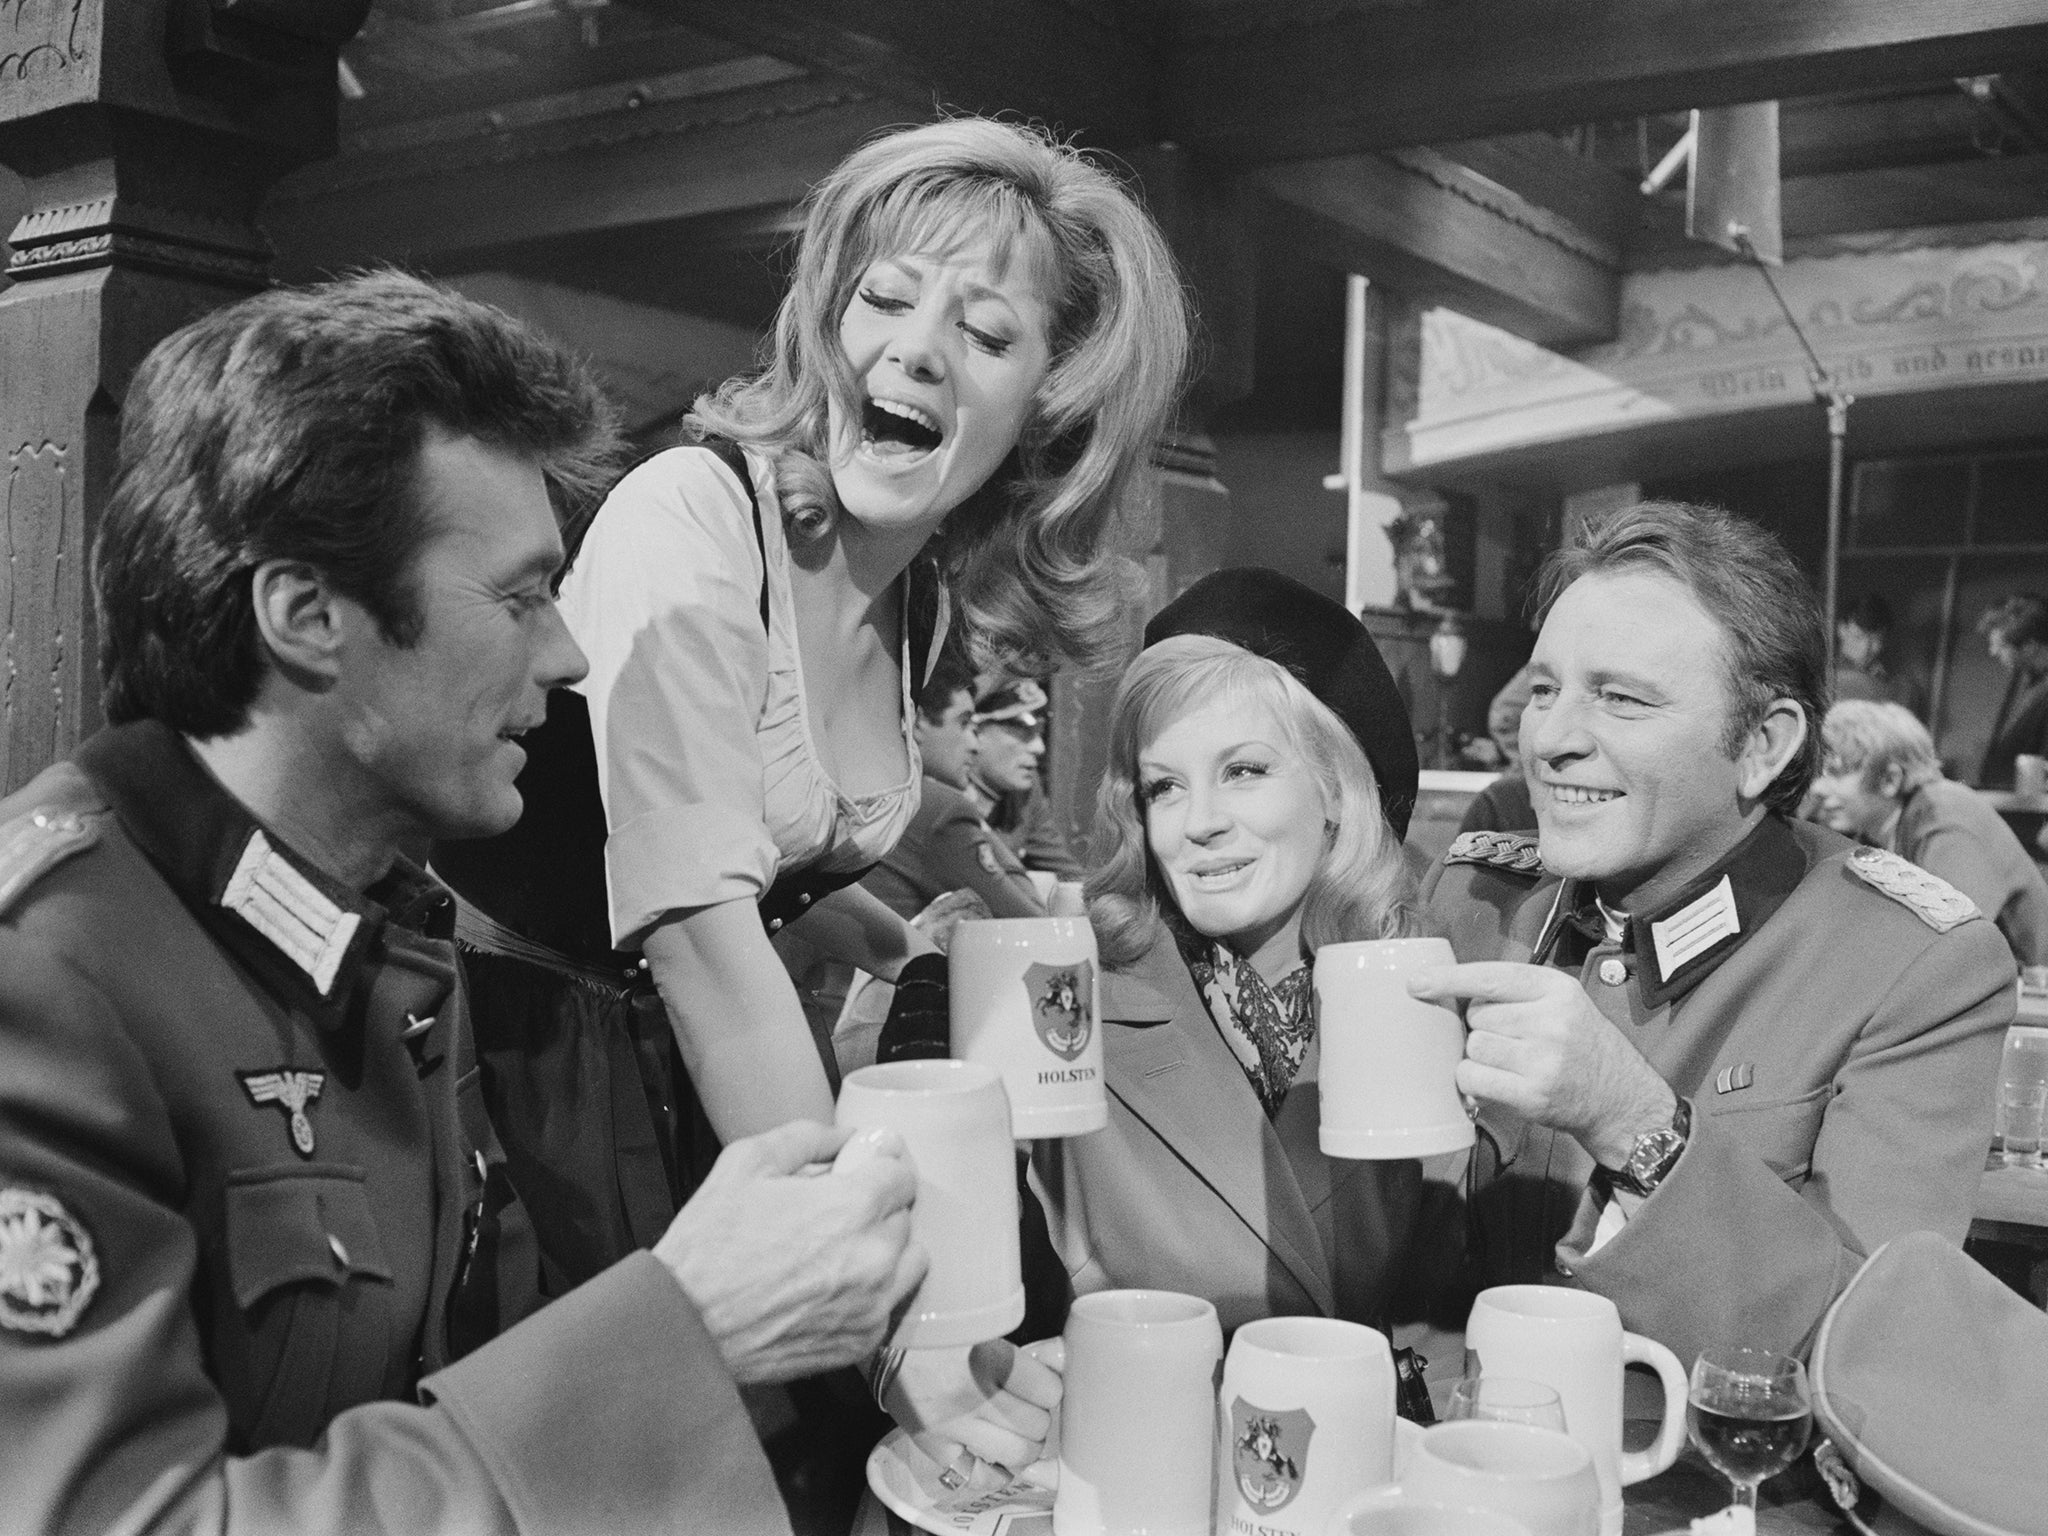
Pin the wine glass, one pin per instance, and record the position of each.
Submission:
(1506, 1399)
(1749, 1413)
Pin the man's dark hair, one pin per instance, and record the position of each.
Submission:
(2018, 620)
(951, 674)
(1775, 642)
(288, 427)
(1869, 613)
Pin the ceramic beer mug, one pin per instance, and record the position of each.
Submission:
(1390, 1512)
(1137, 1420)
(1573, 1341)
(955, 1124)
(1541, 1478)
(1307, 1418)
(1389, 1060)
(1025, 1002)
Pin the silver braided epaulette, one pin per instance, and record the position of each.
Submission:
(34, 843)
(1932, 899)
(1515, 852)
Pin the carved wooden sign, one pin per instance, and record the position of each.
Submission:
(41, 40)
(1712, 343)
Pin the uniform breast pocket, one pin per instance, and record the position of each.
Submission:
(312, 1291)
(1781, 1132)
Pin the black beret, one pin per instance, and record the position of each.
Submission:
(1322, 643)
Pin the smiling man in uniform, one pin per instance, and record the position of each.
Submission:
(256, 1237)
(1721, 1055)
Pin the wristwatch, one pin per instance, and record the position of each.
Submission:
(1654, 1154)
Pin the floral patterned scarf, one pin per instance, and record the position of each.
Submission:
(1268, 1027)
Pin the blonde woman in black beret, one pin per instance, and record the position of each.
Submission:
(1261, 770)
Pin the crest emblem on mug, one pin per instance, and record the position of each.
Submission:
(1062, 1005)
(1269, 1453)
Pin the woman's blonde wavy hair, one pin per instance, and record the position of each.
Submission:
(1361, 890)
(1030, 559)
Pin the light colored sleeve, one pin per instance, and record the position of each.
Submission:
(1955, 854)
(664, 598)
(1731, 1249)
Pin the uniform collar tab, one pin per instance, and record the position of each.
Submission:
(304, 933)
(287, 906)
(1683, 941)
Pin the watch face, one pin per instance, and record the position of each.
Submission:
(1651, 1160)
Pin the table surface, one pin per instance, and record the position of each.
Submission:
(1793, 1505)
(2015, 1195)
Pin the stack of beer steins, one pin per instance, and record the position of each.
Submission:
(1293, 1431)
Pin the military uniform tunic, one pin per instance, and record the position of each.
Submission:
(1946, 829)
(1833, 1015)
(949, 847)
(254, 1232)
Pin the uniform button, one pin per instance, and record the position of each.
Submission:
(775, 925)
(803, 898)
(1613, 972)
(339, 1249)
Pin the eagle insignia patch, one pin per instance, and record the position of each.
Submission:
(48, 1271)
(291, 1091)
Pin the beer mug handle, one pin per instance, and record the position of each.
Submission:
(1637, 1465)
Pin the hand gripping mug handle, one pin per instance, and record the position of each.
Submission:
(1637, 1465)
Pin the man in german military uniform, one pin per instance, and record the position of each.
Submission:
(1720, 1055)
(1881, 783)
(1005, 785)
(948, 845)
(255, 1237)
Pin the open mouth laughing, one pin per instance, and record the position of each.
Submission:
(898, 433)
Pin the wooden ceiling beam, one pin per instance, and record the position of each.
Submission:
(1438, 233)
(1261, 83)
(747, 150)
(1039, 58)
(1992, 189)
(1542, 169)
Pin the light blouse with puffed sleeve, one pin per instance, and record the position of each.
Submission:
(711, 783)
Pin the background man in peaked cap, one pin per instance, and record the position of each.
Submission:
(255, 1237)
(1004, 781)
(1721, 1055)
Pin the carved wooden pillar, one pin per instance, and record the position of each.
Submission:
(1181, 525)
(145, 133)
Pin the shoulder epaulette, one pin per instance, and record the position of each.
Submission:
(1515, 852)
(37, 841)
(1932, 899)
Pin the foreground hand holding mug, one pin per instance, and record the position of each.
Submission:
(993, 1401)
(1538, 1046)
(796, 1272)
